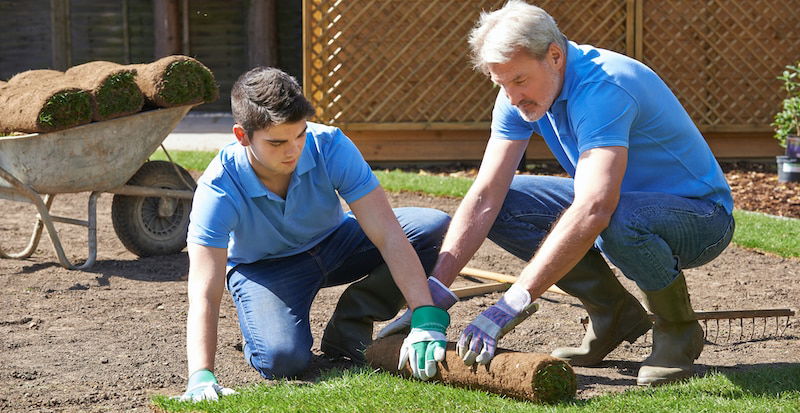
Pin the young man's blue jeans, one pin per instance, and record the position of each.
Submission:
(273, 297)
(651, 237)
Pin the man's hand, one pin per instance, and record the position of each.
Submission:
(203, 385)
(478, 342)
(426, 343)
(442, 298)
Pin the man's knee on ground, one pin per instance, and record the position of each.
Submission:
(281, 364)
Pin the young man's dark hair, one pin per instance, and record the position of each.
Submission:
(266, 96)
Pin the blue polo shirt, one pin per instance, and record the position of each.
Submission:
(609, 99)
(232, 209)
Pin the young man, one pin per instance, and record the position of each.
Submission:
(267, 224)
(645, 190)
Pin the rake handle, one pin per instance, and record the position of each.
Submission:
(502, 279)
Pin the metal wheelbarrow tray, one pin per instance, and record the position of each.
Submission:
(152, 199)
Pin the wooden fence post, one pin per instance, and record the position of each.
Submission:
(166, 27)
(62, 47)
(262, 36)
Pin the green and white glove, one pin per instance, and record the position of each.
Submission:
(442, 298)
(426, 343)
(203, 385)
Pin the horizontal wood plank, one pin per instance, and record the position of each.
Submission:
(469, 145)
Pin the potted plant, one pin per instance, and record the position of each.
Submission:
(787, 126)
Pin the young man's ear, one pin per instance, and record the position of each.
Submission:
(241, 135)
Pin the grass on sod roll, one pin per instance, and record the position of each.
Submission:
(119, 95)
(762, 389)
(183, 83)
(66, 109)
(776, 235)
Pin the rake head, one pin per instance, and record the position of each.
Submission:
(745, 325)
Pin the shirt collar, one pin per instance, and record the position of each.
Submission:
(247, 176)
(573, 54)
(250, 181)
(306, 161)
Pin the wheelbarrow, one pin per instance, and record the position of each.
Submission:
(152, 199)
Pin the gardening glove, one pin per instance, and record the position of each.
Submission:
(478, 342)
(426, 343)
(442, 298)
(203, 386)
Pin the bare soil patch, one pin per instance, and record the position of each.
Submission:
(109, 338)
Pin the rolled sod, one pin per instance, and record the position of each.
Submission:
(175, 81)
(35, 77)
(113, 86)
(43, 107)
(535, 377)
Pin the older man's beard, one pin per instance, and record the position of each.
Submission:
(530, 116)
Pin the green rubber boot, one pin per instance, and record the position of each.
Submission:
(614, 314)
(349, 331)
(677, 336)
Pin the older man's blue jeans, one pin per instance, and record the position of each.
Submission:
(273, 297)
(651, 236)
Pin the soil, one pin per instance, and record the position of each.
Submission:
(110, 338)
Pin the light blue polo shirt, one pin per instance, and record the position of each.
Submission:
(232, 209)
(609, 99)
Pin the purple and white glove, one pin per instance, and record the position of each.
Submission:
(442, 298)
(478, 342)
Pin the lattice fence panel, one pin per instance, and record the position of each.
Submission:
(407, 61)
(721, 57)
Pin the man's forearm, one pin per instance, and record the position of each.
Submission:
(467, 231)
(407, 271)
(201, 334)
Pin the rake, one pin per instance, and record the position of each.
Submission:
(760, 320)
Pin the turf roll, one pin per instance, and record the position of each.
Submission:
(113, 87)
(35, 77)
(175, 81)
(535, 377)
(43, 107)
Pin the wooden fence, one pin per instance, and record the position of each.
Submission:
(395, 74)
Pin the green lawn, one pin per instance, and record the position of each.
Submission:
(363, 390)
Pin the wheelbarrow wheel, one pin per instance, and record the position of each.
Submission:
(150, 226)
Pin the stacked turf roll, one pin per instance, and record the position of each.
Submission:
(113, 87)
(176, 81)
(50, 104)
(39, 101)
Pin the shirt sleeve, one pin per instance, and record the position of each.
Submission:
(213, 217)
(602, 114)
(507, 123)
(349, 172)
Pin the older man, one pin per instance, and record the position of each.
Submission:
(644, 190)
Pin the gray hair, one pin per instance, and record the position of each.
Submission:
(516, 25)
